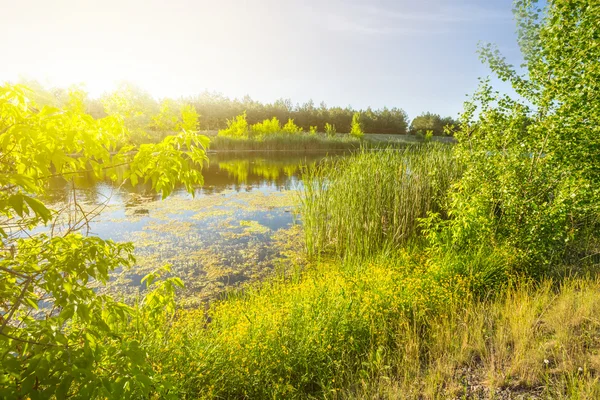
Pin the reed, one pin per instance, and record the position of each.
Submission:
(284, 141)
(373, 200)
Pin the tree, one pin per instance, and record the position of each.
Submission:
(58, 337)
(431, 122)
(532, 180)
(134, 106)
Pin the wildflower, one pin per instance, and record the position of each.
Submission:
(546, 361)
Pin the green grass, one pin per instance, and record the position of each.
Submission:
(284, 141)
(396, 326)
(384, 316)
(532, 340)
(310, 333)
(373, 200)
(378, 313)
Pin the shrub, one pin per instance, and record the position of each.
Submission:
(236, 128)
(428, 136)
(532, 175)
(330, 129)
(267, 127)
(291, 127)
(356, 128)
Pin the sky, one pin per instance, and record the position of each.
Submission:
(418, 55)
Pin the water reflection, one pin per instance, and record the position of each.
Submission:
(235, 228)
(223, 172)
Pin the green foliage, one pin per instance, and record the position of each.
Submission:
(217, 109)
(330, 129)
(432, 122)
(189, 121)
(308, 335)
(394, 320)
(236, 128)
(174, 117)
(356, 128)
(267, 127)
(532, 178)
(291, 128)
(283, 141)
(370, 201)
(167, 118)
(428, 136)
(134, 107)
(58, 336)
(312, 130)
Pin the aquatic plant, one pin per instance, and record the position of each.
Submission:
(361, 204)
(281, 141)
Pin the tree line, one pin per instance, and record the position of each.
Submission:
(142, 111)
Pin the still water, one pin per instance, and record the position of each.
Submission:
(239, 226)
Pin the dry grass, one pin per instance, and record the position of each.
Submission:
(532, 342)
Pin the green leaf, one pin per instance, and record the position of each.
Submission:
(16, 202)
(68, 287)
(38, 208)
(32, 303)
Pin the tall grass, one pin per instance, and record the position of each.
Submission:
(308, 334)
(394, 327)
(531, 341)
(284, 141)
(369, 201)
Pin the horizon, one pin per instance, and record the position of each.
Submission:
(265, 50)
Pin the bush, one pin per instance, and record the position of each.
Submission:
(291, 128)
(236, 128)
(330, 129)
(356, 128)
(532, 178)
(267, 127)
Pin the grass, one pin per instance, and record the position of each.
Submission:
(373, 200)
(393, 327)
(381, 315)
(310, 333)
(536, 341)
(284, 141)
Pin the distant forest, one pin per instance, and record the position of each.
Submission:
(216, 109)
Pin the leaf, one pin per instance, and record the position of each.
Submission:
(63, 388)
(31, 302)
(38, 208)
(68, 287)
(16, 202)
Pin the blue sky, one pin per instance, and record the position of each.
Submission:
(416, 55)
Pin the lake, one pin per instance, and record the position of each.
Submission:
(238, 227)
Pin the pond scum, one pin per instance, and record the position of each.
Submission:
(212, 241)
